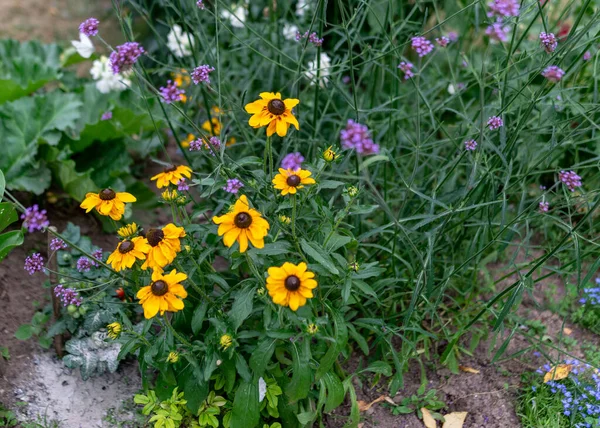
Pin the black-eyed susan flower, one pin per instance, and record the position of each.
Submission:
(164, 244)
(173, 357)
(352, 191)
(312, 329)
(107, 202)
(226, 341)
(285, 219)
(169, 195)
(271, 110)
(290, 285)
(127, 252)
(289, 181)
(329, 155)
(114, 330)
(164, 294)
(128, 230)
(242, 224)
(171, 175)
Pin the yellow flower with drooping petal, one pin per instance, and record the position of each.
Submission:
(107, 202)
(171, 175)
(164, 294)
(289, 180)
(242, 224)
(164, 244)
(169, 195)
(127, 252)
(226, 341)
(128, 230)
(271, 110)
(290, 285)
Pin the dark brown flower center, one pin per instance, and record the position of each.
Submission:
(154, 236)
(159, 288)
(243, 220)
(170, 168)
(107, 195)
(293, 180)
(125, 247)
(292, 283)
(276, 107)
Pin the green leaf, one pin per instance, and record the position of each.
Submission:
(242, 368)
(2, 185)
(242, 306)
(8, 241)
(335, 391)
(373, 159)
(24, 332)
(8, 215)
(245, 411)
(198, 317)
(299, 387)
(379, 367)
(261, 356)
(319, 255)
(76, 184)
(340, 340)
(306, 417)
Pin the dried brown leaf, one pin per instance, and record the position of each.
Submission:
(363, 406)
(454, 420)
(558, 372)
(468, 369)
(428, 419)
(567, 331)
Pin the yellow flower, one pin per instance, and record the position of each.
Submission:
(186, 143)
(290, 285)
(172, 174)
(329, 155)
(242, 224)
(107, 202)
(169, 195)
(114, 330)
(128, 230)
(226, 341)
(182, 78)
(273, 111)
(173, 357)
(352, 191)
(127, 252)
(285, 219)
(312, 329)
(213, 127)
(289, 181)
(164, 245)
(163, 294)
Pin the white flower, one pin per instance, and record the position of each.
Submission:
(180, 43)
(106, 81)
(451, 89)
(301, 8)
(84, 46)
(237, 18)
(289, 31)
(324, 71)
(262, 389)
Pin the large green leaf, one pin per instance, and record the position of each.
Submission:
(8, 241)
(25, 67)
(245, 406)
(339, 342)
(8, 215)
(299, 387)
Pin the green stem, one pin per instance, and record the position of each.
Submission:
(254, 270)
(177, 335)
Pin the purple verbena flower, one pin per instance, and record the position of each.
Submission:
(292, 161)
(34, 219)
(171, 93)
(548, 41)
(201, 74)
(84, 264)
(125, 56)
(442, 41)
(357, 136)
(421, 45)
(201, 5)
(196, 145)
(503, 8)
(453, 36)
(495, 122)
(213, 145)
(233, 185)
(97, 254)
(587, 56)
(406, 68)
(570, 179)
(34, 263)
(470, 145)
(89, 27)
(57, 244)
(182, 185)
(497, 32)
(553, 73)
(107, 115)
(312, 38)
(68, 296)
(544, 206)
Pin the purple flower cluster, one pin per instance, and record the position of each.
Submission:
(233, 186)
(357, 136)
(442, 41)
(34, 219)
(544, 206)
(84, 264)
(421, 45)
(548, 41)
(125, 56)
(406, 68)
(196, 145)
(68, 296)
(58, 244)
(171, 93)
(34, 263)
(470, 145)
(495, 122)
(591, 295)
(312, 38)
(553, 73)
(107, 115)
(201, 5)
(503, 8)
(201, 74)
(213, 145)
(97, 254)
(89, 27)
(182, 185)
(570, 179)
(292, 161)
(497, 32)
